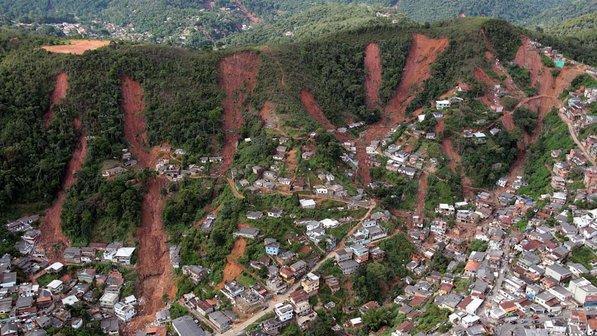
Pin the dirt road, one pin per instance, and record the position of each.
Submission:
(238, 77)
(59, 93)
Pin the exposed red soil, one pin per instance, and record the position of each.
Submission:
(270, 118)
(53, 239)
(440, 126)
(372, 75)
(547, 98)
(421, 56)
(134, 120)
(422, 194)
(508, 121)
(238, 77)
(315, 111)
(292, 162)
(233, 269)
(364, 169)
(59, 93)
(153, 266)
(76, 47)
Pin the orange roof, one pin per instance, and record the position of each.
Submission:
(472, 266)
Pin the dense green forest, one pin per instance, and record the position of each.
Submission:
(200, 22)
(31, 158)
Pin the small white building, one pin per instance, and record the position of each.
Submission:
(124, 311)
(284, 312)
(442, 104)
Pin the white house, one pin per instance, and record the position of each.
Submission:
(284, 312)
(442, 104)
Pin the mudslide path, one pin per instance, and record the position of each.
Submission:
(59, 93)
(310, 104)
(233, 269)
(238, 78)
(153, 265)
(53, 239)
(549, 88)
(372, 75)
(422, 194)
(422, 54)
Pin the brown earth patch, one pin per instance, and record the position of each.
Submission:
(134, 120)
(238, 77)
(53, 239)
(233, 269)
(59, 93)
(153, 266)
(373, 75)
(422, 54)
(422, 194)
(76, 47)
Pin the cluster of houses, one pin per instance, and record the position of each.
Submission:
(31, 307)
(525, 279)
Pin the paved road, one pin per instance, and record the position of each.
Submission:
(238, 328)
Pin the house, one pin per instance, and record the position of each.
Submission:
(186, 326)
(86, 275)
(254, 215)
(72, 255)
(284, 312)
(55, 286)
(272, 247)
(310, 283)
(221, 321)
(124, 254)
(250, 233)
(343, 254)
(361, 253)
(348, 266)
(558, 272)
(8, 279)
(582, 290)
(108, 300)
(125, 312)
(329, 223)
(275, 213)
(307, 203)
(195, 272)
(232, 290)
(442, 104)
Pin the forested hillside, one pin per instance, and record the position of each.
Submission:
(199, 22)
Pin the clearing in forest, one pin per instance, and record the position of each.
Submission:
(58, 94)
(76, 47)
(238, 78)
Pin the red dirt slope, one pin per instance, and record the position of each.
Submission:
(421, 56)
(53, 239)
(316, 113)
(373, 75)
(153, 267)
(57, 96)
(238, 77)
(134, 120)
